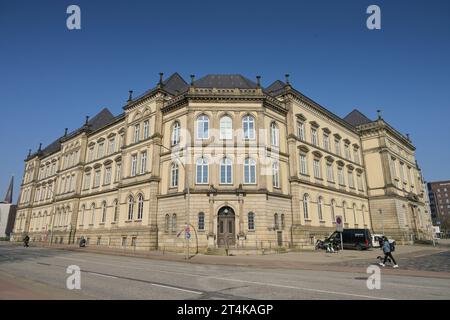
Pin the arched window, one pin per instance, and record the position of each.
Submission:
(248, 125)
(201, 221)
(344, 211)
(251, 221)
(103, 212)
(166, 223)
(203, 127)
(175, 133)
(276, 174)
(355, 221)
(140, 207)
(275, 221)
(226, 128)
(274, 135)
(174, 222)
(333, 212)
(320, 208)
(174, 175)
(130, 207)
(92, 214)
(226, 171)
(306, 206)
(249, 171)
(202, 171)
(116, 211)
(282, 221)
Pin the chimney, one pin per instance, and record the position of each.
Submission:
(286, 76)
(258, 81)
(65, 132)
(161, 78)
(379, 114)
(130, 95)
(192, 80)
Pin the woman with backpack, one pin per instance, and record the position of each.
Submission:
(387, 253)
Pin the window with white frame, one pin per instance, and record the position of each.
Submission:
(101, 150)
(201, 221)
(347, 151)
(359, 182)
(306, 206)
(303, 164)
(226, 171)
(116, 211)
(91, 154)
(146, 129)
(112, 146)
(248, 125)
(330, 173)
(320, 208)
(130, 208)
(251, 221)
(326, 141)
(333, 210)
(107, 179)
(203, 127)
(202, 171)
(92, 214)
(351, 182)
(133, 165)
(140, 212)
(87, 180)
(137, 133)
(174, 222)
(103, 212)
(344, 211)
(337, 145)
(175, 133)
(249, 171)
(226, 128)
(301, 130)
(356, 155)
(118, 172)
(83, 211)
(122, 140)
(314, 139)
(174, 175)
(316, 168)
(143, 162)
(276, 174)
(97, 178)
(274, 135)
(341, 176)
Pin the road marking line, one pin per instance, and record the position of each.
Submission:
(64, 258)
(102, 275)
(175, 288)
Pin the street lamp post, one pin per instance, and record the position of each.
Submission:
(186, 177)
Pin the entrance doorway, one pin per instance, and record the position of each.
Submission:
(226, 229)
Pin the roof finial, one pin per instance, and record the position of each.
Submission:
(87, 121)
(65, 132)
(29, 153)
(192, 79)
(408, 137)
(287, 78)
(258, 81)
(130, 95)
(40, 147)
(379, 114)
(161, 78)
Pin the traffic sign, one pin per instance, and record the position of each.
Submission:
(188, 235)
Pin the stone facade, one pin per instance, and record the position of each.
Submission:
(245, 167)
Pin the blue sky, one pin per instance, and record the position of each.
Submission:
(51, 77)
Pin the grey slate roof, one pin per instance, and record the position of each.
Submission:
(175, 84)
(101, 119)
(275, 88)
(225, 81)
(356, 118)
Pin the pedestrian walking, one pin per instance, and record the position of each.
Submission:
(82, 242)
(387, 249)
(26, 239)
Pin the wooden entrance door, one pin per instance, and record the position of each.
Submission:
(226, 229)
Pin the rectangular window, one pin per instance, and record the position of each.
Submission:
(118, 172)
(316, 167)
(351, 182)
(97, 178)
(314, 139)
(122, 140)
(107, 176)
(347, 151)
(133, 165)
(341, 176)
(91, 154)
(101, 150)
(326, 142)
(301, 130)
(146, 129)
(303, 164)
(359, 182)
(330, 174)
(337, 144)
(137, 133)
(87, 181)
(112, 146)
(356, 155)
(143, 162)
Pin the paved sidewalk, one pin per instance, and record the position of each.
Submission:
(344, 261)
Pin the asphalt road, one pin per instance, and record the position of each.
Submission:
(40, 273)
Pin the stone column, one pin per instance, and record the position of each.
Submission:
(211, 233)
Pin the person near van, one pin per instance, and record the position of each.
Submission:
(387, 253)
(82, 242)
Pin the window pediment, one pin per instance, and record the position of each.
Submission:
(300, 117)
(314, 124)
(326, 130)
(303, 148)
(337, 136)
(340, 163)
(317, 154)
(347, 141)
(329, 158)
